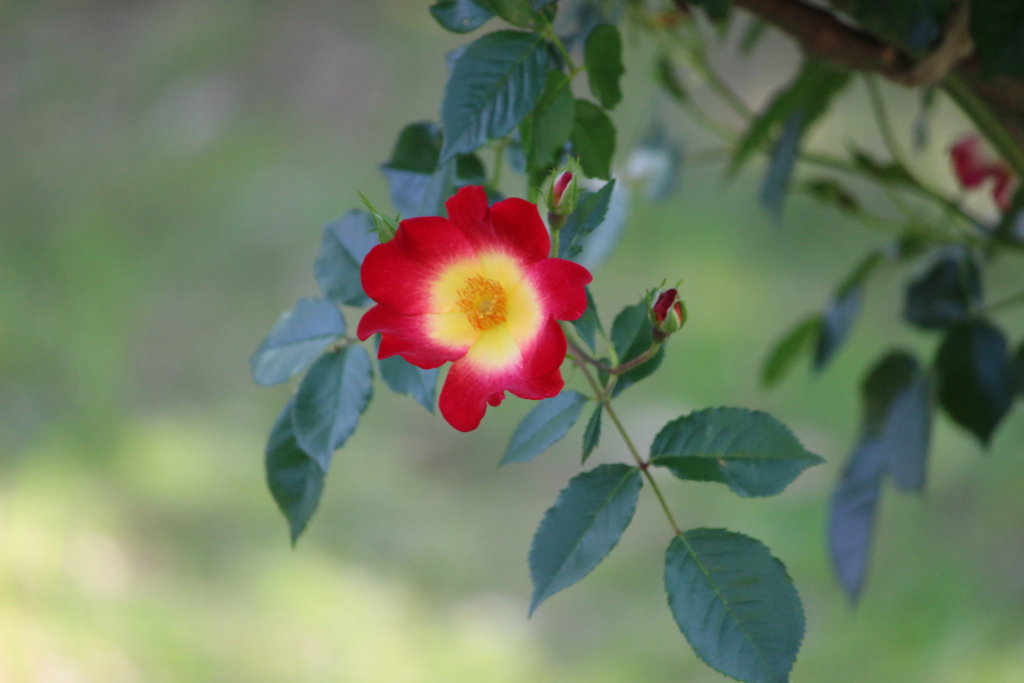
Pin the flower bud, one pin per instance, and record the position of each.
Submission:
(667, 313)
(564, 192)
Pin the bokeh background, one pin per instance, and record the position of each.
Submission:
(165, 168)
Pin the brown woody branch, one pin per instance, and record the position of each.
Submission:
(825, 37)
(822, 35)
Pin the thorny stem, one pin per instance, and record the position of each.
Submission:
(640, 462)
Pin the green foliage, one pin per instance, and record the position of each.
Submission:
(548, 127)
(332, 396)
(631, 337)
(343, 246)
(602, 55)
(588, 324)
(493, 85)
(295, 480)
(976, 379)
(895, 434)
(515, 12)
(945, 294)
(543, 426)
(787, 351)
(460, 16)
(403, 377)
(590, 212)
(593, 139)
(418, 183)
(296, 340)
(749, 451)
(804, 101)
(735, 604)
(582, 527)
(592, 434)
(733, 601)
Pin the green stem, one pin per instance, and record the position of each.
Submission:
(643, 465)
(548, 31)
(618, 369)
(986, 121)
(884, 123)
(499, 159)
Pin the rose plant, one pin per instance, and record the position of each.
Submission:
(467, 277)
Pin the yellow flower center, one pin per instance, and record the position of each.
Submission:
(484, 302)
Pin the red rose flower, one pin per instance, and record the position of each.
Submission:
(974, 163)
(477, 289)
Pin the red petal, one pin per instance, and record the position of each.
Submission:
(512, 226)
(399, 273)
(560, 286)
(545, 357)
(467, 390)
(405, 336)
(1006, 186)
(466, 393)
(519, 228)
(973, 165)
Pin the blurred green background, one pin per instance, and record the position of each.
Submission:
(165, 167)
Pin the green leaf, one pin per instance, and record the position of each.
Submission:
(588, 324)
(419, 185)
(546, 424)
(296, 340)
(593, 139)
(665, 75)
(751, 452)
(897, 397)
(997, 27)
(583, 526)
(781, 162)
(895, 434)
(852, 513)
(801, 339)
(592, 434)
(343, 246)
(976, 377)
(460, 16)
(295, 480)
(631, 337)
(515, 12)
(590, 212)
(735, 604)
(809, 93)
(836, 324)
(330, 399)
(493, 85)
(602, 55)
(403, 377)
(546, 130)
(946, 293)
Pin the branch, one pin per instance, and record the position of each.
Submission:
(825, 37)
